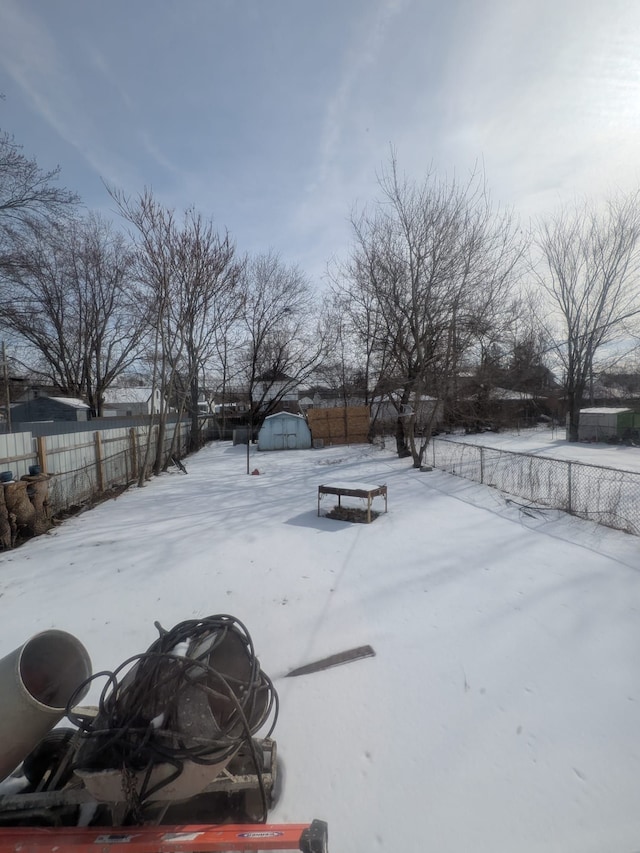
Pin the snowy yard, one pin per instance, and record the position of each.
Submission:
(501, 712)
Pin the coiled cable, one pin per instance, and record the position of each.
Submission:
(197, 694)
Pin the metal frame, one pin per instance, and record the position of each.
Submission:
(354, 492)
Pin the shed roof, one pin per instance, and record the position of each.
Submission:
(73, 402)
(127, 395)
(508, 394)
(286, 415)
(604, 410)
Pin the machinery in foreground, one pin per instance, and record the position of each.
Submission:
(168, 760)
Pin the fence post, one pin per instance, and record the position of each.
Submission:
(482, 465)
(41, 444)
(99, 461)
(569, 487)
(133, 444)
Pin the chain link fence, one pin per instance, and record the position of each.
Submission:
(608, 496)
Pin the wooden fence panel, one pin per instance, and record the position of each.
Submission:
(340, 425)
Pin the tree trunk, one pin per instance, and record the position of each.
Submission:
(401, 441)
(162, 431)
(573, 400)
(194, 439)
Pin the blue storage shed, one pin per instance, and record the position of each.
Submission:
(284, 431)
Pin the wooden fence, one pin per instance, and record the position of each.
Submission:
(340, 425)
(83, 464)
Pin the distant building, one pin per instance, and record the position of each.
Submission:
(50, 409)
(276, 392)
(385, 412)
(22, 392)
(605, 423)
(131, 401)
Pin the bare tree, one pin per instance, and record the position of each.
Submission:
(362, 323)
(284, 342)
(206, 299)
(433, 266)
(155, 239)
(341, 371)
(67, 292)
(109, 328)
(587, 264)
(528, 368)
(26, 190)
(190, 276)
(221, 374)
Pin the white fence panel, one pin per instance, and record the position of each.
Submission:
(17, 453)
(84, 463)
(71, 461)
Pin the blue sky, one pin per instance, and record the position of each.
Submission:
(274, 116)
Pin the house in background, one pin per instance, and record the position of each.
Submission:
(24, 390)
(385, 412)
(277, 386)
(322, 397)
(131, 401)
(50, 409)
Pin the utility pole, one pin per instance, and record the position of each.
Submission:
(7, 396)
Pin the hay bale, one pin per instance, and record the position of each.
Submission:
(18, 503)
(7, 530)
(38, 494)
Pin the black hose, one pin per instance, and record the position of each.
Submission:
(142, 703)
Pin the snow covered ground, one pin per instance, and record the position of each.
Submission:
(501, 712)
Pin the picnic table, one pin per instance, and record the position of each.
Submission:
(354, 490)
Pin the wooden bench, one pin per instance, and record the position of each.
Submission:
(354, 490)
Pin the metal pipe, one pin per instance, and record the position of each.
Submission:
(36, 682)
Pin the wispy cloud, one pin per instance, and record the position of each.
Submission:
(549, 95)
(362, 55)
(344, 166)
(30, 56)
(97, 59)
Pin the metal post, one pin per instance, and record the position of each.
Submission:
(249, 436)
(99, 460)
(7, 395)
(569, 487)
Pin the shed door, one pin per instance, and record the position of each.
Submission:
(285, 434)
(278, 431)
